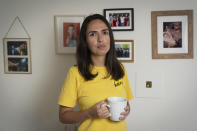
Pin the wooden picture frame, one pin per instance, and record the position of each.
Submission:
(67, 29)
(172, 34)
(17, 56)
(120, 19)
(125, 50)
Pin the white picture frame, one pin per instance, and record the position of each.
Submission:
(62, 24)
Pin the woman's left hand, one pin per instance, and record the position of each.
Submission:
(126, 113)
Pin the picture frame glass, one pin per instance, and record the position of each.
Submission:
(67, 29)
(172, 34)
(17, 56)
(120, 19)
(125, 50)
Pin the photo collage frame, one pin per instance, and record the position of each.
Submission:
(17, 52)
(17, 55)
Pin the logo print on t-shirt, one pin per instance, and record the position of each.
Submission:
(118, 83)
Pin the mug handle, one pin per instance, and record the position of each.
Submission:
(106, 105)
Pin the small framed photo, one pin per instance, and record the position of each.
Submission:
(120, 19)
(172, 34)
(17, 56)
(67, 29)
(125, 50)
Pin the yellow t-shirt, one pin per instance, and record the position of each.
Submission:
(87, 93)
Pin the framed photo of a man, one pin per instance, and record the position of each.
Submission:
(125, 50)
(120, 19)
(172, 34)
(17, 56)
(67, 29)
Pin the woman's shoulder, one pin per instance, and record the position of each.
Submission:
(75, 72)
(73, 69)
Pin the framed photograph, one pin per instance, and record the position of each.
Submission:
(17, 56)
(172, 34)
(67, 29)
(120, 19)
(125, 50)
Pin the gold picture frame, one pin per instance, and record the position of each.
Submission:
(125, 50)
(64, 25)
(17, 56)
(172, 34)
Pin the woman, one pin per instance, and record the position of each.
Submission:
(97, 76)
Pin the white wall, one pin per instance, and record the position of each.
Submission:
(29, 102)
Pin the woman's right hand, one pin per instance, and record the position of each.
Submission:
(99, 111)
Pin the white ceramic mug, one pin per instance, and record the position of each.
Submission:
(116, 106)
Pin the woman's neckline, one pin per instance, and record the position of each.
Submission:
(98, 67)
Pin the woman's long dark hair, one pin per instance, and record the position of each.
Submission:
(114, 67)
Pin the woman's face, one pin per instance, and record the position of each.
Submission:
(98, 39)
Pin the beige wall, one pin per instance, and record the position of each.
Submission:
(29, 102)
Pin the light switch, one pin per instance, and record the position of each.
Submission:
(148, 84)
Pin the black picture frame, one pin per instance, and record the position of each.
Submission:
(125, 21)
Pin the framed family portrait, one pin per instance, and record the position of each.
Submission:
(172, 34)
(67, 29)
(120, 19)
(17, 56)
(125, 50)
